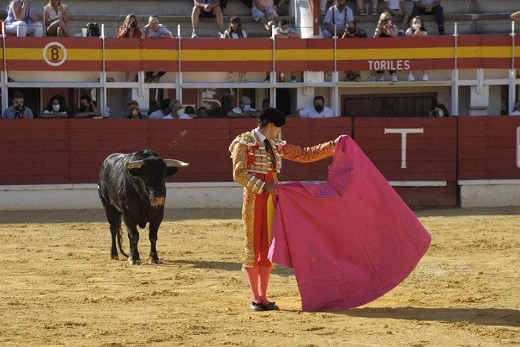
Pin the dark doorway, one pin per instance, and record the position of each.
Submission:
(388, 105)
(283, 100)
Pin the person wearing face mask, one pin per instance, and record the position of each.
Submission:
(133, 111)
(55, 108)
(17, 109)
(440, 110)
(257, 158)
(244, 109)
(318, 110)
(416, 29)
(284, 31)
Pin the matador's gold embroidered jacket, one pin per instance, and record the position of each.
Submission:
(253, 167)
(250, 158)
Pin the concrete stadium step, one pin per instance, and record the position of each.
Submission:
(144, 10)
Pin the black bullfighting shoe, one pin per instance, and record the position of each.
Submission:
(256, 306)
(270, 306)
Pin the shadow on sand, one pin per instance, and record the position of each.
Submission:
(480, 316)
(220, 265)
(98, 215)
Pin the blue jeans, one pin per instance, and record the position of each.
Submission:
(437, 12)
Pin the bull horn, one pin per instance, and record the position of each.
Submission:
(135, 164)
(175, 163)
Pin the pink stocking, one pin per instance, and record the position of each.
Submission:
(252, 277)
(265, 273)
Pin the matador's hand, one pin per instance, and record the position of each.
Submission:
(271, 189)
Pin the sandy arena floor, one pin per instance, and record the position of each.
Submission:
(58, 287)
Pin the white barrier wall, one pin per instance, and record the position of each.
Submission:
(474, 193)
(85, 196)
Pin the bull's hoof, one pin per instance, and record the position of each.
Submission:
(114, 257)
(155, 261)
(134, 262)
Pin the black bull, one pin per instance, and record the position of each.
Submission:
(133, 186)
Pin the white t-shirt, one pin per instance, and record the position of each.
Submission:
(238, 110)
(179, 116)
(52, 13)
(310, 112)
(156, 115)
(233, 35)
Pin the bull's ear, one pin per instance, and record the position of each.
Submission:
(171, 171)
(135, 172)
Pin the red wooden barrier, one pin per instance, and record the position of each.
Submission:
(438, 151)
(421, 151)
(489, 148)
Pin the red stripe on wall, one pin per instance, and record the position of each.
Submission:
(243, 66)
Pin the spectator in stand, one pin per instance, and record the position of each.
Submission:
(207, 9)
(163, 111)
(317, 110)
(202, 112)
(235, 31)
(17, 109)
(22, 19)
(244, 109)
(56, 18)
(175, 108)
(133, 111)
(385, 28)
(516, 110)
(397, 11)
(353, 31)
(154, 29)
(87, 108)
(336, 19)
(516, 17)
(266, 103)
(416, 29)
(265, 12)
(430, 7)
(56, 108)
(362, 7)
(440, 110)
(130, 28)
(284, 31)
(190, 111)
(223, 110)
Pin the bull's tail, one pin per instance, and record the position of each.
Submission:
(120, 242)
